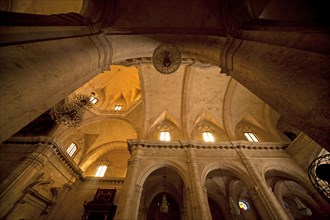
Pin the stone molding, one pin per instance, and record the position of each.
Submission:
(203, 145)
(118, 181)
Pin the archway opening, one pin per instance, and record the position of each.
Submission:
(163, 187)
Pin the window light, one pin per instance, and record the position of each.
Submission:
(71, 149)
(164, 136)
(93, 100)
(208, 136)
(243, 205)
(101, 171)
(118, 108)
(251, 137)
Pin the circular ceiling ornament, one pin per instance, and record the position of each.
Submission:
(166, 58)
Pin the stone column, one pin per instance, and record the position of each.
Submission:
(268, 199)
(24, 175)
(187, 204)
(198, 199)
(129, 200)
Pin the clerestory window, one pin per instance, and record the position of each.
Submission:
(93, 100)
(208, 136)
(251, 137)
(118, 108)
(101, 171)
(72, 149)
(164, 136)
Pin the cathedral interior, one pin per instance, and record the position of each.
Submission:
(164, 109)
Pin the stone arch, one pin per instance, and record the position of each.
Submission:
(288, 184)
(207, 122)
(290, 174)
(155, 165)
(96, 142)
(282, 189)
(232, 169)
(97, 153)
(165, 121)
(153, 187)
(231, 186)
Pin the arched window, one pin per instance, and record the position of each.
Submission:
(208, 136)
(251, 137)
(243, 205)
(164, 136)
(71, 149)
(101, 171)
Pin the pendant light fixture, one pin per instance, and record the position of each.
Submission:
(318, 172)
(166, 58)
(164, 204)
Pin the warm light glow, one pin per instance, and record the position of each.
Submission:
(118, 108)
(208, 136)
(71, 149)
(101, 171)
(164, 205)
(251, 137)
(243, 205)
(164, 136)
(93, 100)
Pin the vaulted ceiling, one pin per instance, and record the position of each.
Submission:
(201, 91)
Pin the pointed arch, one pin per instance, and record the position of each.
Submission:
(249, 124)
(165, 121)
(207, 122)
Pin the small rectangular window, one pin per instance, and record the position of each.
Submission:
(251, 137)
(164, 136)
(93, 100)
(208, 136)
(71, 149)
(118, 108)
(100, 171)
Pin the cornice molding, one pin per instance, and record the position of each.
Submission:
(204, 145)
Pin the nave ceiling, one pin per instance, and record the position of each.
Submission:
(194, 98)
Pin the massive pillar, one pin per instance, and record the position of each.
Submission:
(130, 198)
(44, 58)
(288, 68)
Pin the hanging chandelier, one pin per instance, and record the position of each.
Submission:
(71, 114)
(166, 58)
(164, 205)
